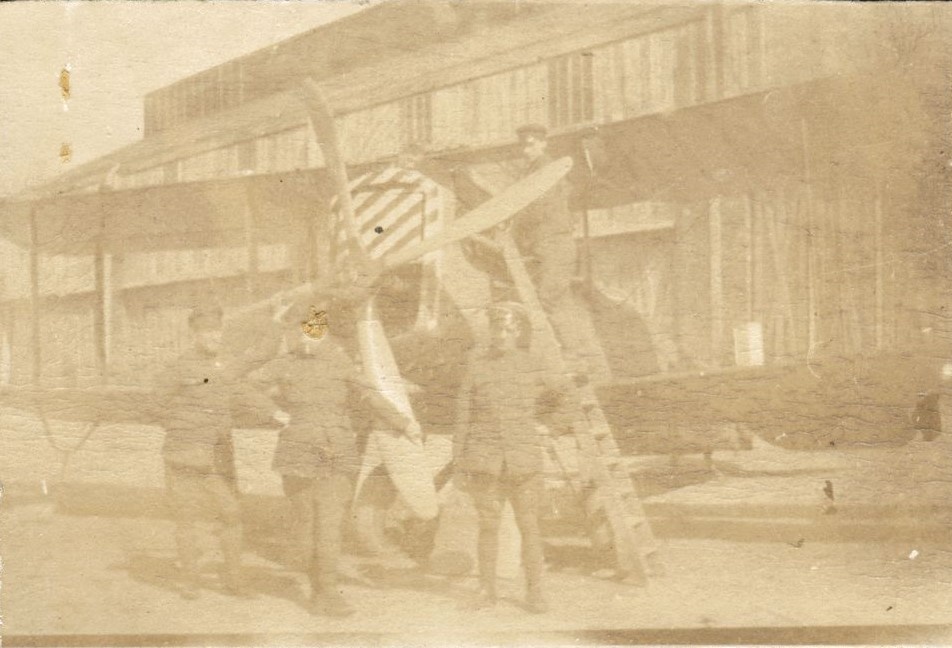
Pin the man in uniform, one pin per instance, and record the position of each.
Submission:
(197, 394)
(499, 447)
(544, 234)
(314, 385)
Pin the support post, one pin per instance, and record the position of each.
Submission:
(35, 317)
(751, 239)
(812, 315)
(251, 243)
(717, 286)
(100, 316)
(880, 297)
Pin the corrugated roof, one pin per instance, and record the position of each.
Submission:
(531, 38)
(376, 34)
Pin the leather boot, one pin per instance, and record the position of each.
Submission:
(330, 603)
(232, 576)
(190, 586)
(190, 576)
(535, 601)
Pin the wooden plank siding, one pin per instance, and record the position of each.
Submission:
(634, 65)
(719, 231)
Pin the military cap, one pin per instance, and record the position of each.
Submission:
(532, 130)
(316, 323)
(205, 317)
(319, 313)
(519, 313)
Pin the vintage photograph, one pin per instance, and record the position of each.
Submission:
(475, 322)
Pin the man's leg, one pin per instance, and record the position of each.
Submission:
(525, 492)
(299, 544)
(553, 275)
(331, 495)
(488, 499)
(228, 516)
(184, 499)
(945, 411)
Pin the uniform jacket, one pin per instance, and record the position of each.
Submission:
(497, 427)
(321, 393)
(197, 395)
(547, 225)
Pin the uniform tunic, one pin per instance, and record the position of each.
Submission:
(320, 393)
(315, 390)
(546, 227)
(500, 449)
(498, 415)
(198, 395)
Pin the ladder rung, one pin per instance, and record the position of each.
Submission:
(624, 483)
(633, 510)
(614, 459)
(587, 396)
(615, 492)
(624, 487)
(627, 493)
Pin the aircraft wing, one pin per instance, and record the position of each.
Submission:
(102, 405)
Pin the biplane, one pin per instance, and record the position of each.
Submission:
(390, 253)
(388, 238)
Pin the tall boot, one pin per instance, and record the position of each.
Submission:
(326, 597)
(535, 601)
(232, 576)
(532, 557)
(186, 544)
(488, 551)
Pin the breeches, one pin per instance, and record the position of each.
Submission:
(524, 492)
(552, 268)
(195, 495)
(318, 507)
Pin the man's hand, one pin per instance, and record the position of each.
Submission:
(281, 417)
(280, 305)
(413, 431)
(503, 228)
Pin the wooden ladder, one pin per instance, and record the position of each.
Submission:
(604, 477)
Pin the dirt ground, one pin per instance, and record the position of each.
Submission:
(84, 575)
(836, 547)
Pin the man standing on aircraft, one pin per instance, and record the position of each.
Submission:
(544, 234)
(197, 395)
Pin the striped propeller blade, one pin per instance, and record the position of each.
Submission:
(393, 208)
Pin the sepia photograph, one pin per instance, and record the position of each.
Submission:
(475, 322)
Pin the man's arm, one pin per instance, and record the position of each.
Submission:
(557, 398)
(463, 415)
(384, 407)
(256, 392)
